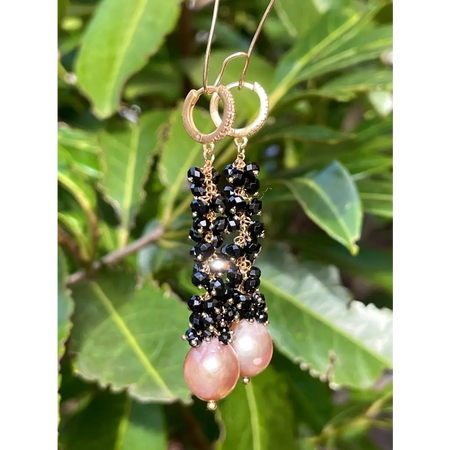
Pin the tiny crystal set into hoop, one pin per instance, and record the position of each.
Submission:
(227, 326)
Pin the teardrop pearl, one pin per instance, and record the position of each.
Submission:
(211, 370)
(253, 346)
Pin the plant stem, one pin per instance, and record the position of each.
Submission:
(117, 255)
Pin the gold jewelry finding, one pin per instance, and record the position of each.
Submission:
(256, 124)
(223, 128)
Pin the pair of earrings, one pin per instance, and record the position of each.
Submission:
(227, 326)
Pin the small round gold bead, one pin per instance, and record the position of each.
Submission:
(211, 405)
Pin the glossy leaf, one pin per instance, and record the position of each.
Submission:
(118, 42)
(372, 265)
(127, 158)
(78, 228)
(82, 191)
(297, 17)
(377, 197)
(331, 200)
(129, 337)
(303, 133)
(251, 414)
(321, 319)
(65, 305)
(179, 153)
(115, 421)
(334, 42)
(81, 150)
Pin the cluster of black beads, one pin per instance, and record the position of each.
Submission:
(209, 312)
(244, 288)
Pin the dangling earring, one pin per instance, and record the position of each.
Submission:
(236, 308)
(251, 341)
(211, 368)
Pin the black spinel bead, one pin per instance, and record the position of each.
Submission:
(217, 287)
(201, 225)
(252, 186)
(206, 334)
(234, 277)
(232, 224)
(195, 175)
(258, 297)
(225, 336)
(196, 321)
(230, 314)
(228, 171)
(200, 279)
(228, 191)
(254, 272)
(219, 204)
(195, 235)
(199, 208)
(250, 314)
(220, 225)
(237, 177)
(252, 249)
(241, 301)
(251, 284)
(260, 307)
(254, 206)
(197, 191)
(207, 322)
(211, 304)
(193, 337)
(215, 176)
(217, 240)
(197, 268)
(202, 251)
(223, 251)
(262, 317)
(252, 168)
(256, 230)
(234, 251)
(236, 203)
(195, 304)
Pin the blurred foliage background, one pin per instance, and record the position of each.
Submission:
(124, 68)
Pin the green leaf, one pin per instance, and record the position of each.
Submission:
(130, 337)
(377, 196)
(297, 17)
(311, 316)
(311, 398)
(372, 265)
(65, 305)
(118, 42)
(115, 421)
(82, 191)
(81, 151)
(62, 8)
(330, 199)
(247, 102)
(333, 43)
(346, 86)
(251, 415)
(179, 153)
(78, 228)
(366, 46)
(303, 133)
(127, 158)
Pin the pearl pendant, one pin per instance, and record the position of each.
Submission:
(253, 346)
(211, 370)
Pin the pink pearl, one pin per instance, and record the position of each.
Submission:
(253, 346)
(211, 370)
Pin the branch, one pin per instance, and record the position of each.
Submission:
(66, 241)
(117, 255)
